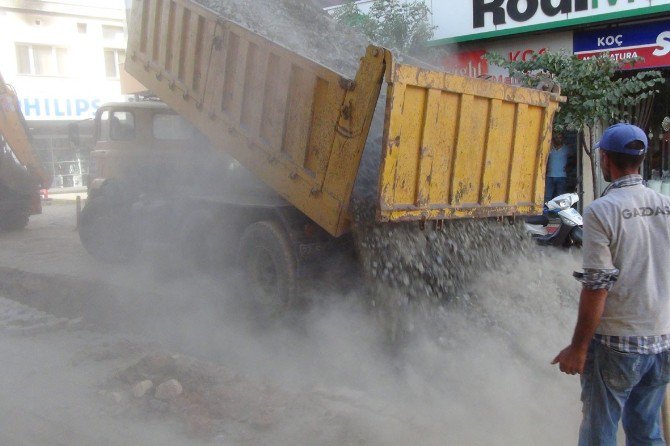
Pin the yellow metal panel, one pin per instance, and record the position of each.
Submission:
(410, 134)
(459, 147)
(299, 114)
(14, 131)
(498, 152)
(469, 151)
(165, 19)
(443, 146)
(324, 121)
(253, 92)
(392, 133)
(215, 74)
(430, 140)
(275, 101)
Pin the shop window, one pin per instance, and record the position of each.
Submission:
(113, 58)
(112, 33)
(122, 126)
(41, 60)
(23, 59)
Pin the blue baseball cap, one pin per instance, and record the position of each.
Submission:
(618, 136)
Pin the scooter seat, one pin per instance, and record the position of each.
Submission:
(538, 220)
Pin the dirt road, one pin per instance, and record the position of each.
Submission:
(325, 378)
(50, 392)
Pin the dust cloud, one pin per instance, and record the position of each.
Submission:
(478, 329)
(474, 369)
(472, 364)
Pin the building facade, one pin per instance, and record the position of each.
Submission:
(62, 57)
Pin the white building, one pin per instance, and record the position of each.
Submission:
(62, 58)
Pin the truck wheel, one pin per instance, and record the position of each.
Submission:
(106, 232)
(269, 267)
(14, 221)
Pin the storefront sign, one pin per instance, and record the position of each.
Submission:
(650, 41)
(470, 62)
(469, 20)
(51, 108)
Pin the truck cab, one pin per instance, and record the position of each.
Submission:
(157, 183)
(135, 142)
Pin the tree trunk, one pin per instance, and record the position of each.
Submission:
(587, 147)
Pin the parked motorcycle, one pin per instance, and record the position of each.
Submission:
(569, 230)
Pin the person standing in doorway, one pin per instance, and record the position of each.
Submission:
(621, 343)
(556, 168)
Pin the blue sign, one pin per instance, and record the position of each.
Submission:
(650, 41)
(58, 108)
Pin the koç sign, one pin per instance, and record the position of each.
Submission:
(650, 41)
(468, 20)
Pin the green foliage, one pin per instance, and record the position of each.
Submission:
(349, 14)
(402, 25)
(593, 89)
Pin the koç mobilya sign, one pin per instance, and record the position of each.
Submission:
(465, 20)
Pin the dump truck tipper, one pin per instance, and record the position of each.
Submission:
(21, 173)
(453, 147)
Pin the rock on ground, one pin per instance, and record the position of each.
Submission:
(169, 390)
(141, 388)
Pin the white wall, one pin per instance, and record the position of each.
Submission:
(77, 93)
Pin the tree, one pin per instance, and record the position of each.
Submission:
(401, 25)
(595, 93)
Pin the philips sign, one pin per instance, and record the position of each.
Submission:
(650, 41)
(52, 108)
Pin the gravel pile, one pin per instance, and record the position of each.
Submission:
(300, 26)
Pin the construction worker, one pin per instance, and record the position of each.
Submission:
(621, 341)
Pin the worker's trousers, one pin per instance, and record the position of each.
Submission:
(622, 386)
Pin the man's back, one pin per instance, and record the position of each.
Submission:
(633, 224)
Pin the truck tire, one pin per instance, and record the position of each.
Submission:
(14, 221)
(106, 231)
(269, 265)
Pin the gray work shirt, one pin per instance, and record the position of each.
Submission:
(629, 229)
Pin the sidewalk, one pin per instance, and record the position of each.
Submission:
(66, 194)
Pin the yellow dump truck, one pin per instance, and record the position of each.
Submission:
(21, 173)
(452, 147)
